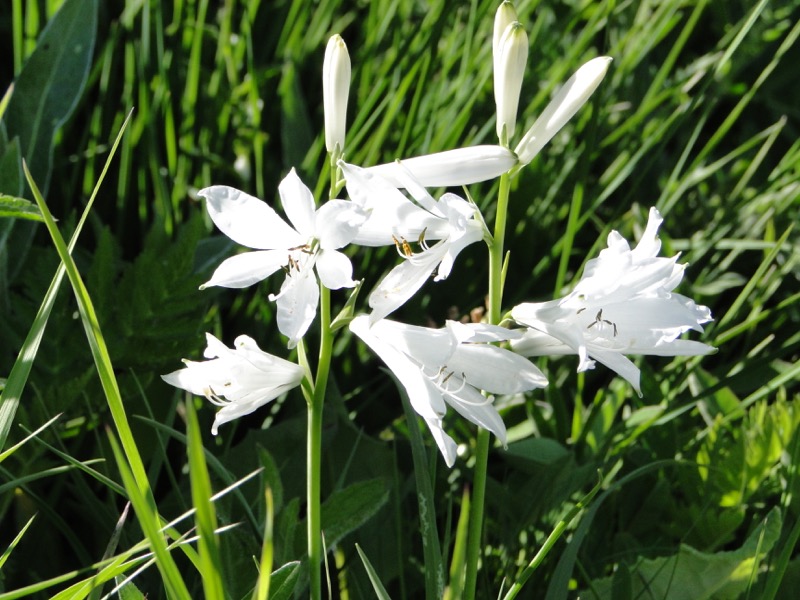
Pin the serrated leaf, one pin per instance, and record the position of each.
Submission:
(19, 208)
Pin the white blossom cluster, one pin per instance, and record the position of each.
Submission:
(623, 304)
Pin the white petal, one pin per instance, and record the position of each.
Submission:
(424, 345)
(453, 167)
(297, 306)
(389, 211)
(335, 270)
(425, 399)
(446, 444)
(455, 245)
(482, 332)
(246, 269)
(572, 95)
(247, 220)
(649, 245)
(495, 370)
(403, 281)
(472, 405)
(298, 204)
(337, 222)
(621, 365)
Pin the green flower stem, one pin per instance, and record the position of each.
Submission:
(314, 449)
(482, 444)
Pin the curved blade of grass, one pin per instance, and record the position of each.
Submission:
(205, 515)
(22, 366)
(133, 470)
(143, 504)
(15, 541)
(32, 435)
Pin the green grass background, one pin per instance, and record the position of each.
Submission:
(698, 116)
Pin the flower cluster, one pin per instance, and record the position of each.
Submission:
(623, 304)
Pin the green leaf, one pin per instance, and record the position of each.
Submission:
(380, 591)
(284, 580)
(347, 509)
(694, 575)
(347, 313)
(50, 84)
(11, 206)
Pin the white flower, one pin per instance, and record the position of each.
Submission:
(240, 380)
(394, 219)
(562, 107)
(335, 88)
(623, 304)
(312, 242)
(461, 166)
(448, 366)
(510, 58)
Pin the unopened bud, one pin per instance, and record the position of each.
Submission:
(504, 17)
(452, 168)
(562, 107)
(509, 69)
(335, 89)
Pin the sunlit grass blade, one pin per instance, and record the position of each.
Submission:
(133, 463)
(14, 542)
(205, 514)
(22, 366)
(30, 436)
(458, 564)
(148, 519)
(267, 550)
(548, 544)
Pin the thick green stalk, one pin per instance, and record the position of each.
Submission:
(482, 446)
(315, 444)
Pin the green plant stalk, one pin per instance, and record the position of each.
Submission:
(483, 439)
(557, 532)
(314, 459)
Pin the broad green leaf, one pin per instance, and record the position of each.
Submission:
(349, 508)
(284, 580)
(694, 575)
(51, 83)
(11, 206)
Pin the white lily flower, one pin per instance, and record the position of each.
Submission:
(562, 107)
(394, 219)
(511, 56)
(623, 304)
(448, 366)
(313, 241)
(240, 380)
(335, 89)
(461, 166)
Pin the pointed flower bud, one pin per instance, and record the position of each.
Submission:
(461, 166)
(509, 68)
(335, 88)
(504, 17)
(562, 107)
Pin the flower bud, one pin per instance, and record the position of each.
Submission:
(452, 168)
(504, 17)
(562, 107)
(335, 88)
(509, 68)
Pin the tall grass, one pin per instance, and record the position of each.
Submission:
(697, 117)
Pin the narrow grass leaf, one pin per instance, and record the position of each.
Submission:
(380, 591)
(15, 541)
(267, 551)
(205, 514)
